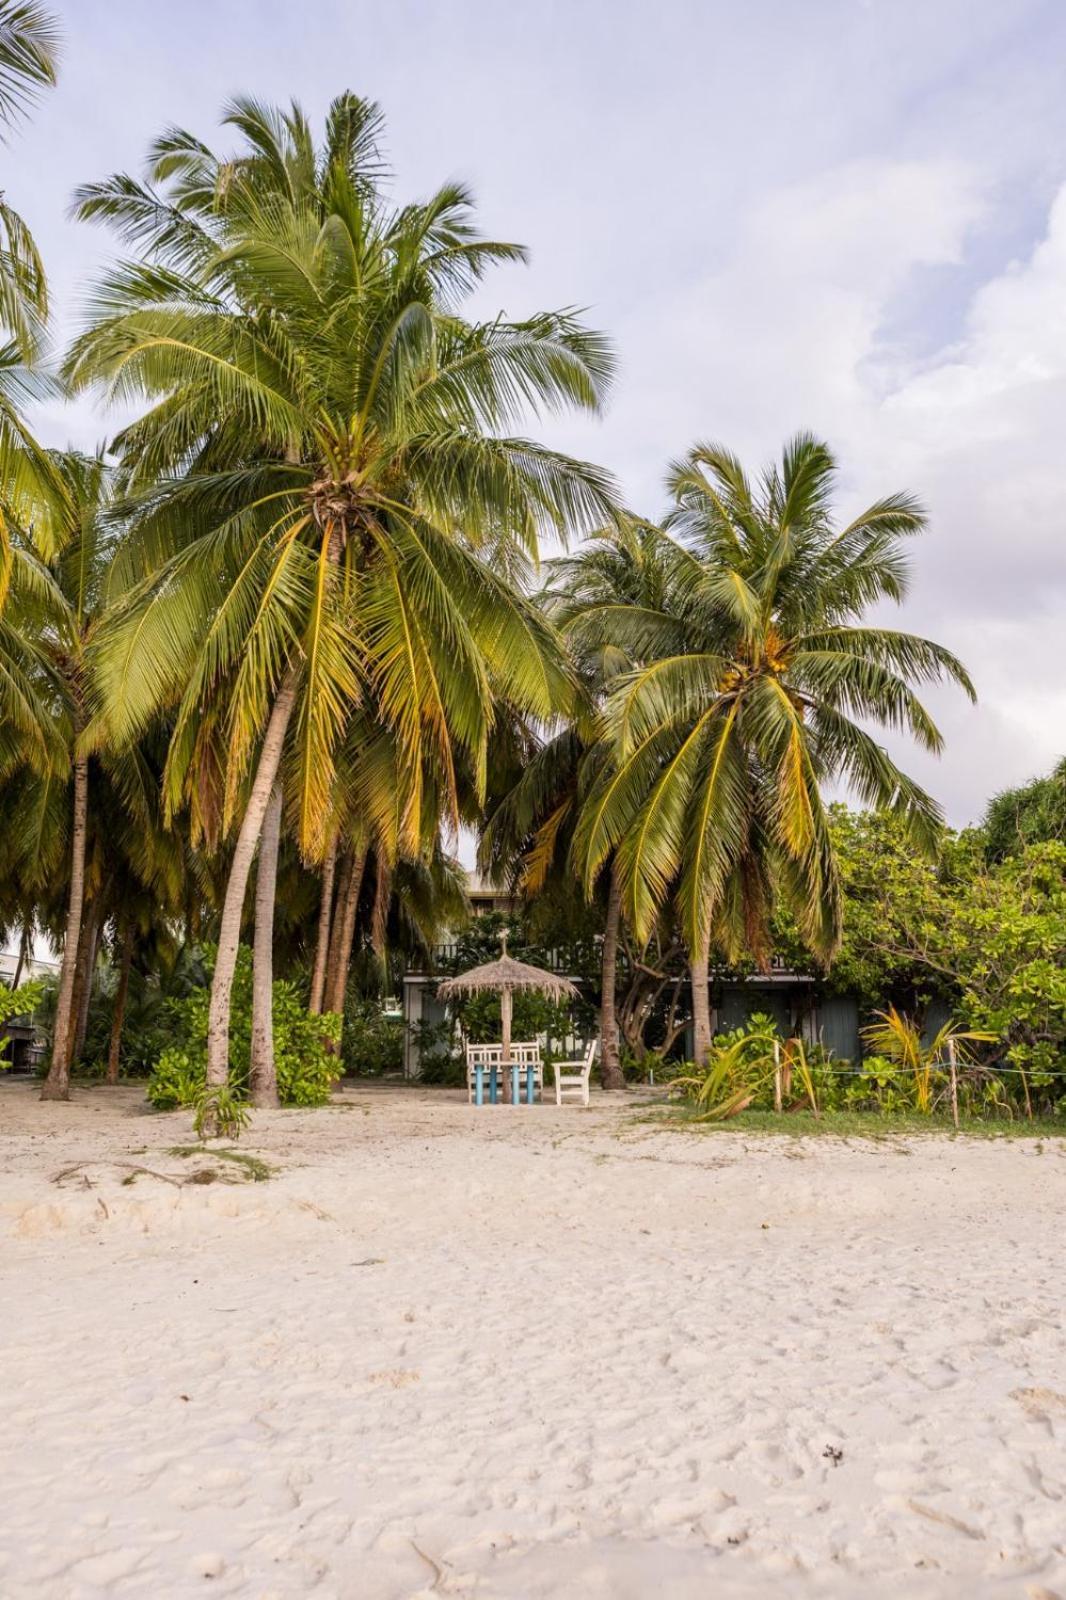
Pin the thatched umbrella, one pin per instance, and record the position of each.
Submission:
(503, 977)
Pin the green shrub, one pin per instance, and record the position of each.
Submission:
(373, 1042)
(177, 1079)
(740, 1076)
(441, 1058)
(741, 1073)
(20, 1002)
(878, 1085)
(737, 1071)
(23, 1001)
(652, 1065)
(306, 1068)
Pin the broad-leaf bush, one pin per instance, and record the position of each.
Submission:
(306, 1068)
(373, 1041)
(20, 1002)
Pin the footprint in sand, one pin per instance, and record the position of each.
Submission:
(1039, 1402)
(224, 1478)
(945, 1519)
(394, 1378)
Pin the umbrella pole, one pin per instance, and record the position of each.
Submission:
(505, 1021)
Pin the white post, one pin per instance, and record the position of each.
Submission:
(953, 1062)
(777, 1075)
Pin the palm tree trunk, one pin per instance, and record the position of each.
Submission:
(57, 1084)
(79, 986)
(699, 964)
(229, 933)
(325, 913)
(92, 927)
(611, 1074)
(121, 995)
(344, 935)
(379, 916)
(263, 1078)
(340, 900)
(24, 950)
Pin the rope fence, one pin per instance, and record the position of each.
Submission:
(963, 1066)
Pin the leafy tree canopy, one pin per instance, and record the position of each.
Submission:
(1030, 814)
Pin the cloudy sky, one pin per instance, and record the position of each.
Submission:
(843, 215)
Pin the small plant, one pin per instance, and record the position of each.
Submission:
(753, 1069)
(219, 1113)
(794, 1062)
(899, 1040)
(741, 1063)
(878, 1085)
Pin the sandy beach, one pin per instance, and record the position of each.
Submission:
(523, 1353)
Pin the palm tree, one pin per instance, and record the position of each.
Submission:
(349, 504)
(71, 586)
(112, 835)
(28, 56)
(140, 872)
(262, 1074)
(33, 847)
(758, 673)
(372, 800)
(29, 47)
(535, 824)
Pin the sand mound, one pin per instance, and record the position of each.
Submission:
(180, 1188)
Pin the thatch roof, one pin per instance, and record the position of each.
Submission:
(507, 973)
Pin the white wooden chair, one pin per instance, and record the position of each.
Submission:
(485, 1056)
(527, 1055)
(572, 1077)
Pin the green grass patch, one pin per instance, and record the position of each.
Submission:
(255, 1170)
(855, 1124)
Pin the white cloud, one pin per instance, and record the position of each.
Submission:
(981, 433)
(790, 331)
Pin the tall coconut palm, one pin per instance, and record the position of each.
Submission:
(29, 735)
(33, 846)
(60, 570)
(75, 535)
(348, 492)
(28, 57)
(138, 871)
(536, 822)
(29, 47)
(757, 678)
(374, 796)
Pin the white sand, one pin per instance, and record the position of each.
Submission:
(511, 1354)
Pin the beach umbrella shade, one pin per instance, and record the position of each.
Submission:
(503, 977)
